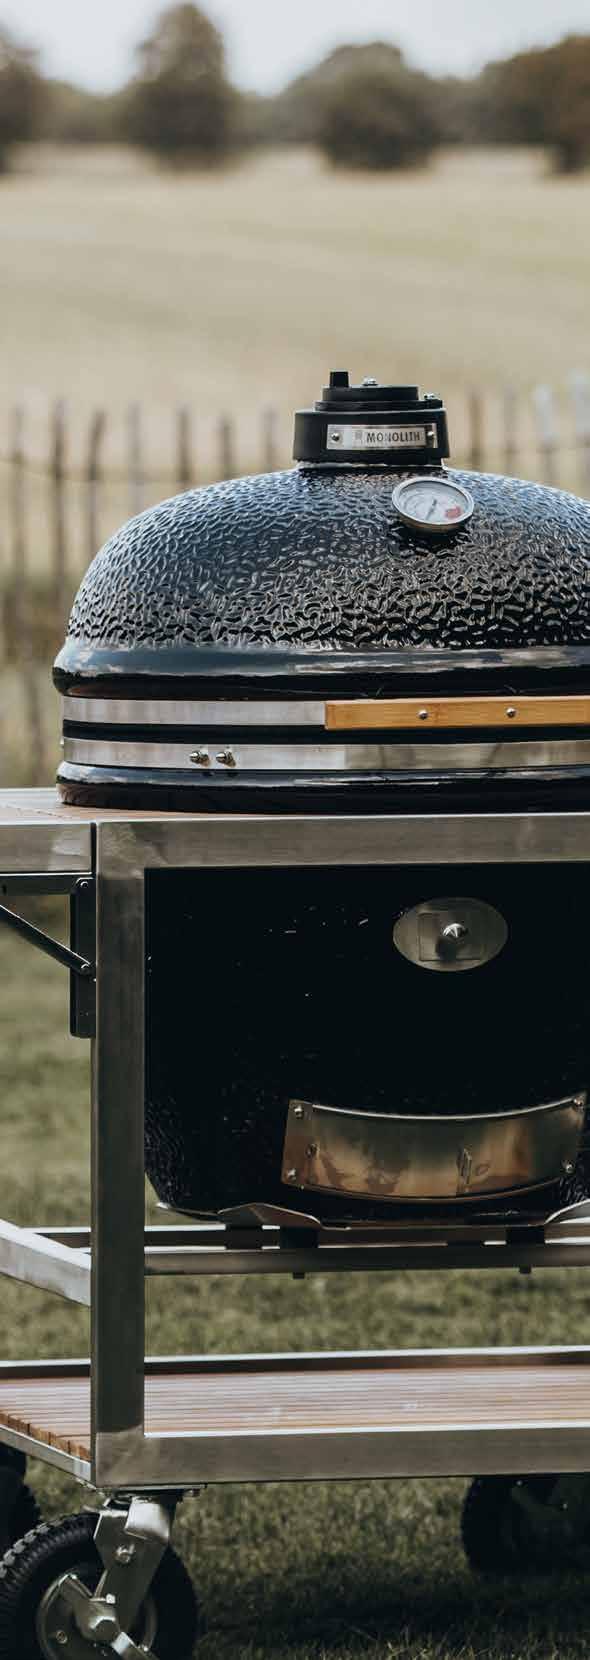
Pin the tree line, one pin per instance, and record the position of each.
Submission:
(361, 106)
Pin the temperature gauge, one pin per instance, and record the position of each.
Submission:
(434, 504)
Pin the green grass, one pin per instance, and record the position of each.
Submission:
(302, 1572)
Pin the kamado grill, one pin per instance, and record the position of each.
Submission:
(323, 816)
(368, 633)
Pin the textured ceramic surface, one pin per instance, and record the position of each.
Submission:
(318, 561)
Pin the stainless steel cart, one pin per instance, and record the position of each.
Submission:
(144, 1433)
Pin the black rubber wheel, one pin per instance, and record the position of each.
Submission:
(510, 1525)
(23, 1517)
(33, 1565)
(20, 1513)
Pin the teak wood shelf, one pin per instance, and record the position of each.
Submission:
(432, 1392)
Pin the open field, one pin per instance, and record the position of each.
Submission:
(286, 1573)
(235, 290)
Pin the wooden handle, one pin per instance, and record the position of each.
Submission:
(383, 714)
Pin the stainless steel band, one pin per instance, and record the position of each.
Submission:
(167, 712)
(323, 757)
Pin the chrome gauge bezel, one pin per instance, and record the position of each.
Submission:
(424, 525)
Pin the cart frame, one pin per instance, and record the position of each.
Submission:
(45, 847)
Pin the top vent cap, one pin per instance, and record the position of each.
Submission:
(372, 424)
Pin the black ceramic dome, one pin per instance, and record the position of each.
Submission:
(306, 584)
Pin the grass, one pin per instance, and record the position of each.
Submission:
(313, 1572)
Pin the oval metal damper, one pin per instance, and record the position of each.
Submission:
(450, 935)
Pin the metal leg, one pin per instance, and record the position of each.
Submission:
(118, 1292)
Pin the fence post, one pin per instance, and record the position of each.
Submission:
(57, 465)
(227, 468)
(509, 418)
(184, 467)
(17, 512)
(23, 637)
(580, 390)
(547, 435)
(93, 480)
(135, 465)
(269, 440)
(475, 430)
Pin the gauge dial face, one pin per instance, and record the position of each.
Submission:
(433, 504)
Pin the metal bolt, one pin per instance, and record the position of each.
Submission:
(455, 931)
(200, 758)
(61, 1637)
(567, 1167)
(423, 714)
(291, 1175)
(511, 711)
(125, 1554)
(226, 758)
(335, 437)
(298, 1112)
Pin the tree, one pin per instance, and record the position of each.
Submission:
(181, 104)
(22, 95)
(298, 111)
(540, 98)
(569, 103)
(74, 115)
(379, 117)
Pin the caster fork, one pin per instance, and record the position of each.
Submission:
(131, 1538)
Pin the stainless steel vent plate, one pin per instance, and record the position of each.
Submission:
(388, 1156)
(450, 935)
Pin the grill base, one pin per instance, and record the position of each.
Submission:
(266, 986)
(547, 789)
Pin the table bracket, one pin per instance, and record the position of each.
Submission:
(44, 942)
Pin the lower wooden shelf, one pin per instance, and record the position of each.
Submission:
(436, 1391)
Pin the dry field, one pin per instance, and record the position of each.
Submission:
(238, 290)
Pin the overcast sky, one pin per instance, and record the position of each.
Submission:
(268, 41)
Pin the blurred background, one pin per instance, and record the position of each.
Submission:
(203, 210)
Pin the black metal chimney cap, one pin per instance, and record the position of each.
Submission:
(372, 424)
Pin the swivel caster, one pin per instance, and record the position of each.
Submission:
(55, 1599)
(526, 1524)
(19, 1511)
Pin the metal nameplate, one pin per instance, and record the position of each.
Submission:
(380, 438)
(386, 1156)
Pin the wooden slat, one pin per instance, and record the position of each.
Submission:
(388, 714)
(56, 1410)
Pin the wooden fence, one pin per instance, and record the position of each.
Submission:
(60, 499)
